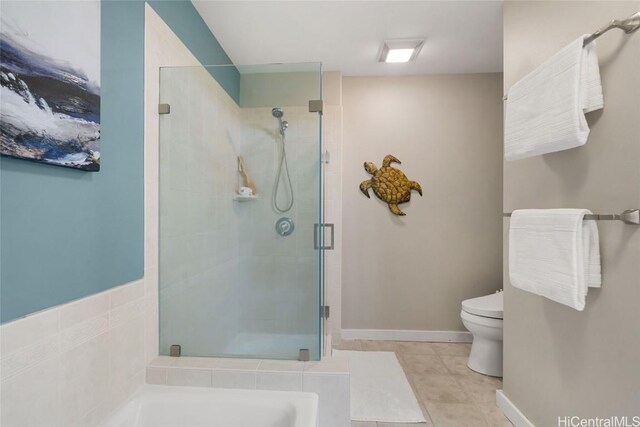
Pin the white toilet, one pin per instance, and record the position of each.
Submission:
(482, 316)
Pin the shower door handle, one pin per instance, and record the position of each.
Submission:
(319, 228)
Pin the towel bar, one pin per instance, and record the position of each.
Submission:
(630, 216)
(629, 25)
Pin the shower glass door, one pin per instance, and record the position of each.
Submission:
(240, 274)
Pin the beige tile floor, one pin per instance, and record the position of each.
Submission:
(449, 393)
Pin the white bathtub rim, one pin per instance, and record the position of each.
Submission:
(311, 414)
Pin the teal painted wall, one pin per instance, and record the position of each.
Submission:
(189, 26)
(66, 234)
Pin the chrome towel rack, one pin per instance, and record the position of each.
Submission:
(630, 216)
(628, 25)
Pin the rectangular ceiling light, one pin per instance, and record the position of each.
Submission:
(400, 50)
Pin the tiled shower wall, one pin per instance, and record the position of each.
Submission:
(259, 132)
(199, 221)
(279, 275)
(216, 254)
(224, 271)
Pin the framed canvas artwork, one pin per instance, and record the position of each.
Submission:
(50, 82)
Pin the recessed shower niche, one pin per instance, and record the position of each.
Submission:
(230, 284)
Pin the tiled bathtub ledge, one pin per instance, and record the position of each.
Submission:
(240, 373)
(328, 378)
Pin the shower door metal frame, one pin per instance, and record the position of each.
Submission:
(317, 106)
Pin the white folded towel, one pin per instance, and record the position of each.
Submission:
(554, 253)
(545, 110)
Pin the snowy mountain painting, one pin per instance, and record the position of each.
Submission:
(50, 82)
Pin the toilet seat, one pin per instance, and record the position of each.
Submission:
(489, 322)
(490, 306)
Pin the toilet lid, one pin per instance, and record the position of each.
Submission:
(487, 306)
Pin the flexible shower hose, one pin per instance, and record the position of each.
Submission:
(283, 160)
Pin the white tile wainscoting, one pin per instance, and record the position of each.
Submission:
(72, 364)
(328, 378)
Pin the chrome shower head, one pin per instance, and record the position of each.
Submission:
(277, 112)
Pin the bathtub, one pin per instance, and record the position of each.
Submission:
(171, 406)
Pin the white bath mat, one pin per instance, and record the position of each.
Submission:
(379, 389)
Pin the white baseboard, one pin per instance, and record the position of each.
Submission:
(511, 411)
(405, 335)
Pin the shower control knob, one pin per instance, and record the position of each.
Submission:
(284, 226)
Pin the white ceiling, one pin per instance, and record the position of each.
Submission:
(461, 36)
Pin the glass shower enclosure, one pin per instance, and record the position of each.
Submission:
(241, 259)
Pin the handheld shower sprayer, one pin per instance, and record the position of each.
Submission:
(277, 112)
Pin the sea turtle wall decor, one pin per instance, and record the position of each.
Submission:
(389, 184)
